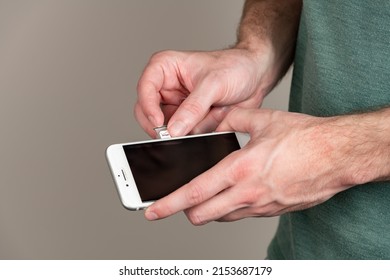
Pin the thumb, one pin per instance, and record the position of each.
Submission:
(251, 121)
(194, 108)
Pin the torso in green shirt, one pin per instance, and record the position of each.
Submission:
(342, 66)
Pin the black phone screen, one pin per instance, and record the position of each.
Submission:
(161, 167)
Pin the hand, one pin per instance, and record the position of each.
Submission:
(292, 162)
(193, 91)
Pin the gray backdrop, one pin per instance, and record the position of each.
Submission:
(68, 74)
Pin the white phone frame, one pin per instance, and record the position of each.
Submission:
(123, 176)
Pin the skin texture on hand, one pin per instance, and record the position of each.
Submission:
(193, 91)
(292, 162)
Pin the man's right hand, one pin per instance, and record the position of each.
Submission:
(193, 91)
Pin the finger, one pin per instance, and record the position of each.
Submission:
(234, 203)
(195, 192)
(149, 98)
(168, 111)
(148, 127)
(212, 120)
(195, 107)
(173, 97)
(143, 121)
(216, 207)
(246, 120)
(269, 210)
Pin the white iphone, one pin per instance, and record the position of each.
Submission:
(146, 171)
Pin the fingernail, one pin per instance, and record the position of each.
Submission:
(178, 128)
(150, 215)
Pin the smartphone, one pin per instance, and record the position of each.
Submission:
(149, 170)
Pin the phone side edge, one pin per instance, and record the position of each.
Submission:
(128, 195)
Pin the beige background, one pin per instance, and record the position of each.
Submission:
(68, 73)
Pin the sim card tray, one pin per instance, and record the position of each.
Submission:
(162, 132)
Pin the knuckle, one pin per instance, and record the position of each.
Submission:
(240, 169)
(240, 172)
(219, 113)
(194, 107)
(248, 197)
(157, 56)
(195, 219)
(162, 55)
(194, 195)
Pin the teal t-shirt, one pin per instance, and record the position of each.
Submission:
(342, 65)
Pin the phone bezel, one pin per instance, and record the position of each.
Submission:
(123, 177)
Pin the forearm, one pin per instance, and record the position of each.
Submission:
(271, 25)
(365, 143)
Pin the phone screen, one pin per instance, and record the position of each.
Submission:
(159, 168)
